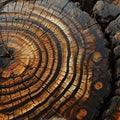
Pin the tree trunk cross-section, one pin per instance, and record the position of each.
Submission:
(53, 63)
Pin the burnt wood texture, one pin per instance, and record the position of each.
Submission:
(113, 31)
(107, 13)
(53, 62)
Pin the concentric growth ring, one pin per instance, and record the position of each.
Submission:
(51, 61)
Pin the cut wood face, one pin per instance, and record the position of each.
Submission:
(53, 63)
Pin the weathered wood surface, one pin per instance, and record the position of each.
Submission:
(106, 11)
(116, 2)
(53, 62)
(113, 31)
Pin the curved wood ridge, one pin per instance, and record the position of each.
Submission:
(53, 63)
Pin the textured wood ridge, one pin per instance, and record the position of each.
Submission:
(113, 31)
(53, 63)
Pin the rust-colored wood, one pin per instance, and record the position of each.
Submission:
(53, 62)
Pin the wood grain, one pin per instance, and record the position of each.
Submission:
(53, 62)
